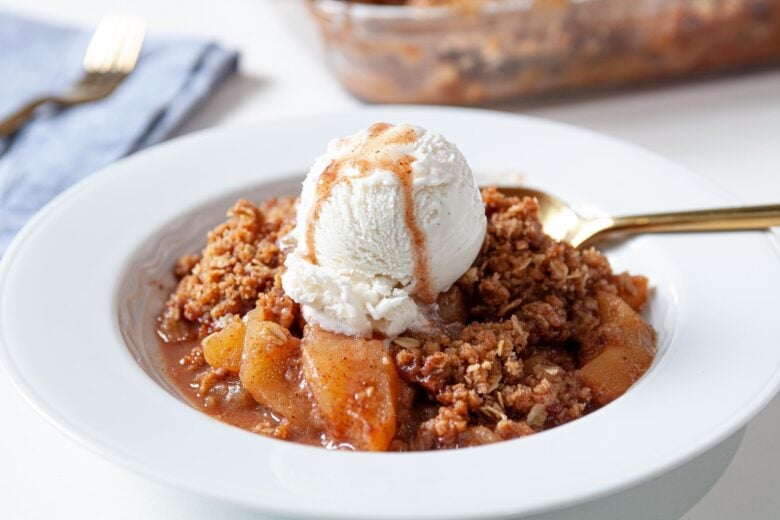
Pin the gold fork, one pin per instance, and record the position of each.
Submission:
(110, 58)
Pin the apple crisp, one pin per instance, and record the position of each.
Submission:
(534, 335)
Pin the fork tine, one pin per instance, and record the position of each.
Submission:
(100, 46)
(115, 45)
(130, 48)
(130, 33)
(117, 37)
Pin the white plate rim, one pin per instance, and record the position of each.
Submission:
(727, 427)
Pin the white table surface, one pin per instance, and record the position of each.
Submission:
(726, 129)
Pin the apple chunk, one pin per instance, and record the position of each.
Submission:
(271, 369)
(222, 349)
(355, 384)
(618, 352)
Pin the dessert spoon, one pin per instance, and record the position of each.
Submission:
(563, 223)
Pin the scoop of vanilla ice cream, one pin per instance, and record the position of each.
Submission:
(388, 218)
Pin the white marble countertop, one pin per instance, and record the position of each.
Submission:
(727, 129)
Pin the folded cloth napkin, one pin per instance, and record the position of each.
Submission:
(59, 147)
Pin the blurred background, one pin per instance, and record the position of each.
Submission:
(695, 80)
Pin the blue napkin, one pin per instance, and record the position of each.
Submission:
(59, 147)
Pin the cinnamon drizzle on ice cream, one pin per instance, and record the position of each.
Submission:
(373, 154)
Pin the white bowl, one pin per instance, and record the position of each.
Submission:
(77, 307)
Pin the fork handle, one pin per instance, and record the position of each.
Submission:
(13, 122)
(726, 219)
(747, 217)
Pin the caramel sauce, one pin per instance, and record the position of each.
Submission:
(373, 155)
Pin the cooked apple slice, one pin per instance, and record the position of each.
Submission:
(618, 352)
(355, 384)
(271, 369)
(223, 348)
(613, 371)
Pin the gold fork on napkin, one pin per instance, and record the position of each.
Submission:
(111, 56)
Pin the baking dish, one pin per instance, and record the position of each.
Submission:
(497, 49)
